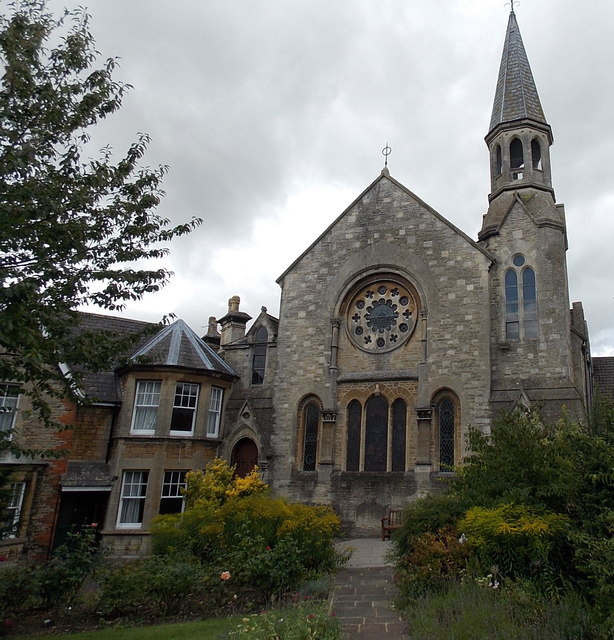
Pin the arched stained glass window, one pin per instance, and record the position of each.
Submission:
(259, 359)
(376, 434)
(529, 303)
(512, 321)
(521, 320)
(446, 419)
(399, 424)
(354, 417)
(311, 421)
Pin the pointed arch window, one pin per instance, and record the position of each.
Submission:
(536, 154)
(521, 319)
(399, 430)
(354, 418)
(517, 159)
(376, 434)
(311, 422)
(447, 429)
(529, 303)
(261, 340)
(512, 318)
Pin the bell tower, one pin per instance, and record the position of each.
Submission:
(524, 230)
(519, 138)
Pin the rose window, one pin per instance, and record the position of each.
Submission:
(381, 316)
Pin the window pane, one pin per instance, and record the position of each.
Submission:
(446, 434)
(134, 490)
(353, 443)
(184, 407)
(376, 434)
(9, 395)
(259, 358)
(171, 500)
(13, 508)
(312, 418)
(215, 412)
(399, 419)
(146, 405)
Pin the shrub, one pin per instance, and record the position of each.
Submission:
(436, 559)
(514, 538)
(426, 515)
(298, 622)
(153, 586)
(269, 545)
(61, 578)
(469, 611)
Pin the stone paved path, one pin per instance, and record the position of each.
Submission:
(363, 593)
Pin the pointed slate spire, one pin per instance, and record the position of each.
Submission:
(516, 96)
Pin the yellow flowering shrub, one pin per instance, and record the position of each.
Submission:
(217, 483)
(512, 537)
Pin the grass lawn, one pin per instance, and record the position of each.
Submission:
(203, 630)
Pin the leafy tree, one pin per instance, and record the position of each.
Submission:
(71, 227)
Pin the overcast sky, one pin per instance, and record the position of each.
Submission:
(272, 115)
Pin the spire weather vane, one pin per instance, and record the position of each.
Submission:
(386, 151)
(511, 4)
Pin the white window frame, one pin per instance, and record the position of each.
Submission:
(146, 399)
(133, 492)
(13, 509)
(8, 406)
(189, 398)
(172, 484)
(215, 412)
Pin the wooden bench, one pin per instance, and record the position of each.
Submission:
(391, 522)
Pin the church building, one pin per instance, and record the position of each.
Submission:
(398, 332)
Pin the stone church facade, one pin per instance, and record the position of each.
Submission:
(398, 332)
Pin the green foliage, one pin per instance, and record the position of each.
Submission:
(61, 578)
(469, 611)
(534, 500)
(513, 538)
(427, 515)
(299, 622)
(436, 560)
(54, 585)
(18, 590)
(71, 226)
(151, 587)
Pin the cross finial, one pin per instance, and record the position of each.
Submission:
(511, 4)
(386, 151)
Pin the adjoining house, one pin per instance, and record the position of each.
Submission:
(397, 332)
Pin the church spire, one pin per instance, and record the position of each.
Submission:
(519, 137)
(516, 97)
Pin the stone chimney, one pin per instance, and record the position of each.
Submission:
(233, 323)
(212, 337)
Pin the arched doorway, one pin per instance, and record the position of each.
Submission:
(244, 456)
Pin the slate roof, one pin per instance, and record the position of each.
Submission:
(176, 345)
(603, 375)
(173, 345)
(516, 95)
(102, 386)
